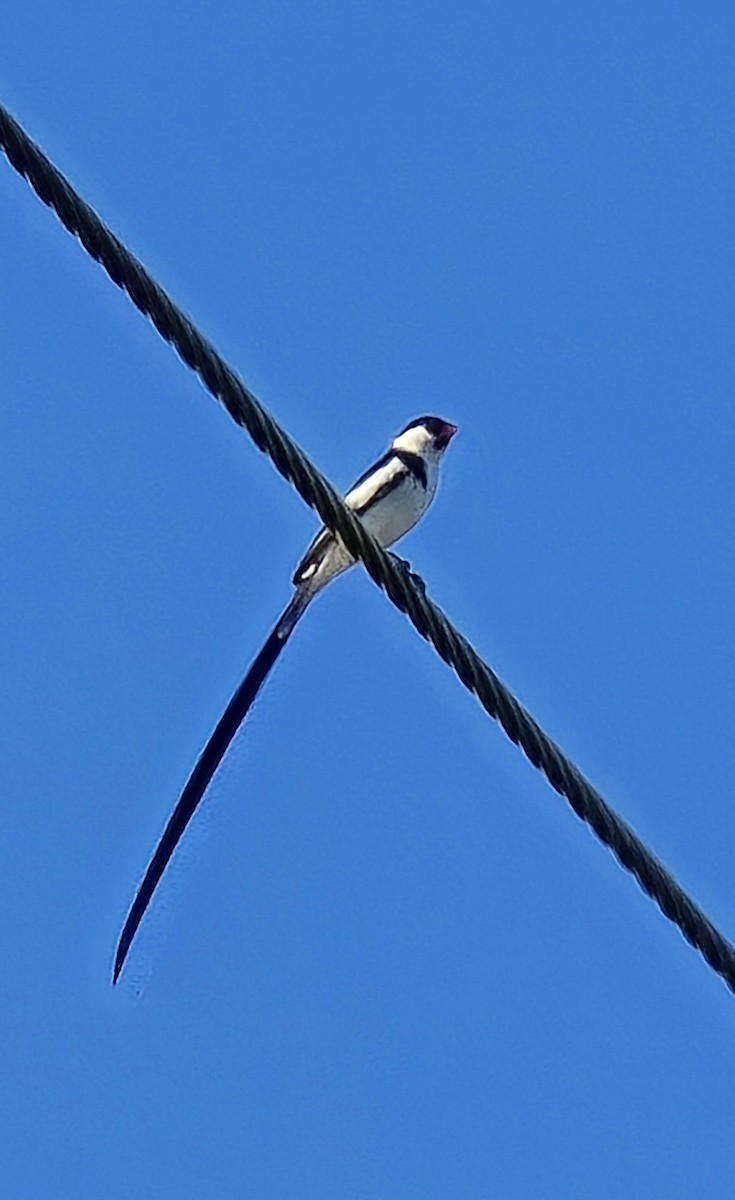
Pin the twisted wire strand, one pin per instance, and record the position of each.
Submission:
(426, 617)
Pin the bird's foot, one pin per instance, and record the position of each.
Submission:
(405, 568)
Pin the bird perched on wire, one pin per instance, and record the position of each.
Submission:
(389, 499)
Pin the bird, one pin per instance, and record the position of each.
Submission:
(389, 498)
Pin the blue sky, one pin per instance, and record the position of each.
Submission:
(387, 961)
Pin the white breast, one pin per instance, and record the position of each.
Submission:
(388, 519)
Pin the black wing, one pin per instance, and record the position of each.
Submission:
(313, 554)
(318, 546)
(382, 462)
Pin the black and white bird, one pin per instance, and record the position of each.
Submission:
(389, 499)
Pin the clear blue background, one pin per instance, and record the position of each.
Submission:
(388, 962)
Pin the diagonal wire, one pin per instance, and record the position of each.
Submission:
(219, 379)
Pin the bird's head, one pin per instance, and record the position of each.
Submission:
(427, 436)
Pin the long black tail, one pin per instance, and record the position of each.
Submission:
(200, 778)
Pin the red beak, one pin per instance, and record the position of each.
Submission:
(447, 434)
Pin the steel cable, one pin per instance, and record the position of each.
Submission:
(222, 382)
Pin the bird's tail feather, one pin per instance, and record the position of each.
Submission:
(206, 765)
(292, 613)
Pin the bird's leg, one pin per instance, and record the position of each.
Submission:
(405, 568)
